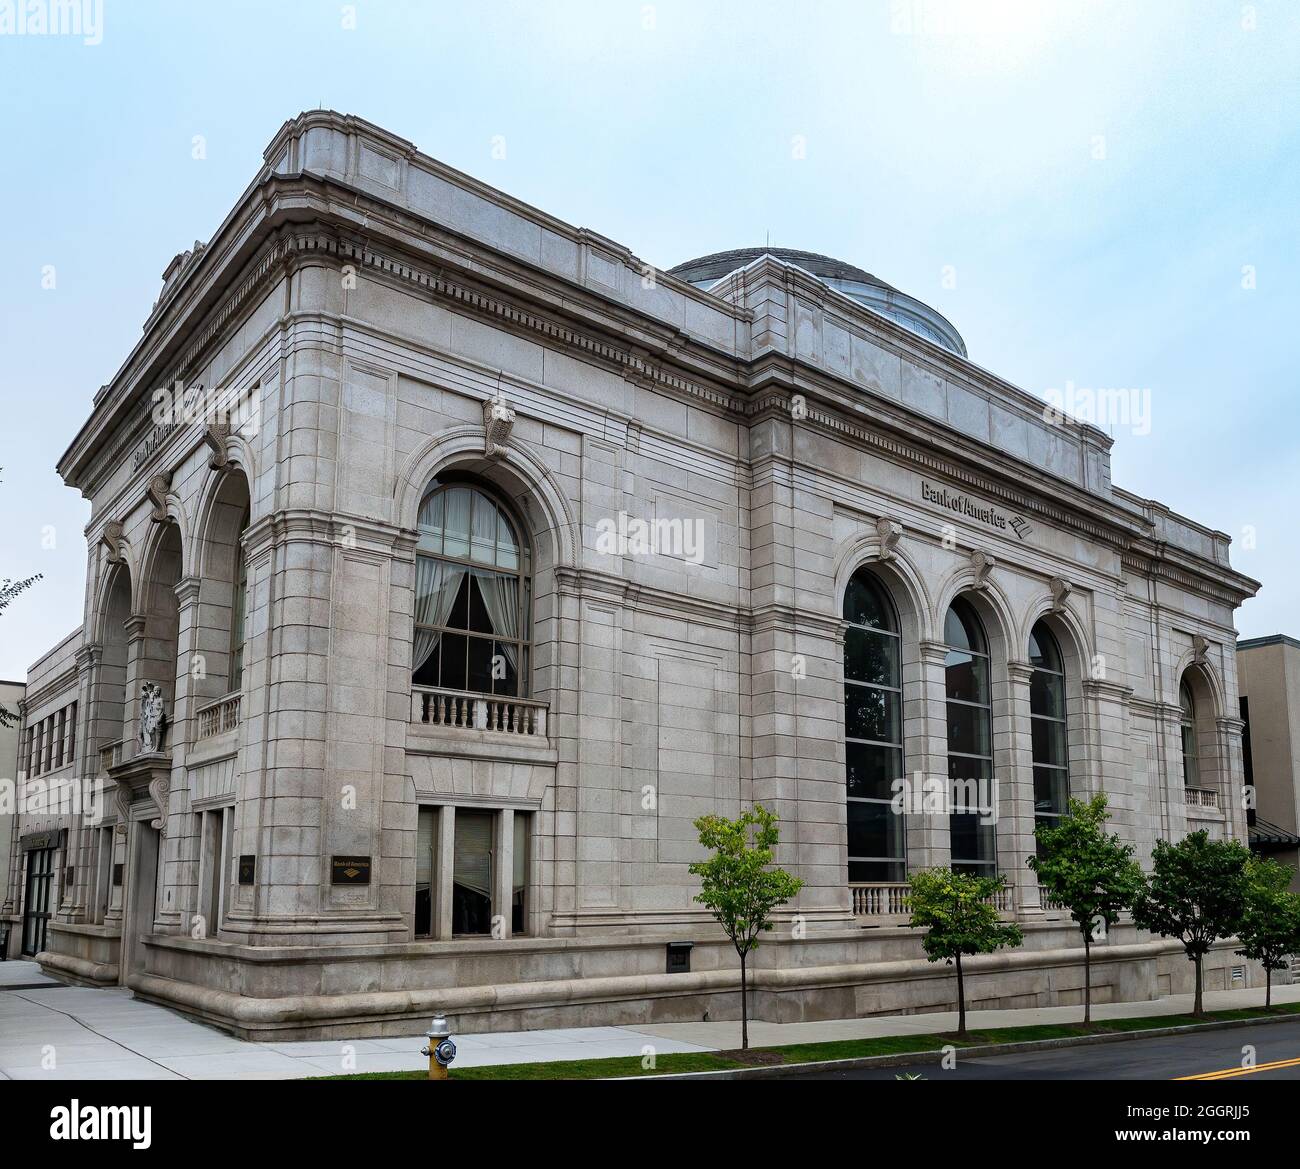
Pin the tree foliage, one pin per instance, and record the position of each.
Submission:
(1196, 893)
(958, 913)
(1084, 869)
(1089, 872)
(738, 886)
(1270, 924)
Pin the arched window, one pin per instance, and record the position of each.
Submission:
(873, 728)
(1047, 722)
(970, 740)
(472, 593)
(1191, 763)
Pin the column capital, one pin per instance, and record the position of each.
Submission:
(187, 591)
(1020, 671)
(135, 624)
(933, 653)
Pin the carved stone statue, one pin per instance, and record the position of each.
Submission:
(152, 718)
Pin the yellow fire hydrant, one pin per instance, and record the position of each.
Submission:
(440, 1050)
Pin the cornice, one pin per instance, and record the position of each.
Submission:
(654, 358)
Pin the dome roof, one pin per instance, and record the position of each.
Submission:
(852, 281)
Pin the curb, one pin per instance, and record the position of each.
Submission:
(907, 1058)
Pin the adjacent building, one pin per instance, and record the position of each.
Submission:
(39, 859)
(11, 694)
(447, 561)
(1269, 685)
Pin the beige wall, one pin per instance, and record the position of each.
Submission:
(1269, 677)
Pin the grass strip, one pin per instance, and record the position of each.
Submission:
(704, 1061)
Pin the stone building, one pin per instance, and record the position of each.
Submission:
(47, 754)
(1269, 685)
(447, 561)
(11, 694)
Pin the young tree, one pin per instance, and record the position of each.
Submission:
(9, 589)
(739, 887)
(1089, 872)
(1196, 893)
(1270, 926)
(957, 911)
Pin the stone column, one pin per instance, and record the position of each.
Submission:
(178, 896)
(1016, 794)
(443, 872)
(504, 877)
(929, 842)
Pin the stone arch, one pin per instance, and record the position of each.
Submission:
(109, 704)
(158, 609)
(899, 573)
(1069, 629)
(1212, 766)
(515, 471)
(994, 609)
(218, 564)
(536, 501)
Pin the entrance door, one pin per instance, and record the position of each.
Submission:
(36, 904)
(141, 895)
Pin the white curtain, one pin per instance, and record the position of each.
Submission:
(436, 586)
(501, 600)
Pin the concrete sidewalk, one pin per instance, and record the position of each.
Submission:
(52, 1031)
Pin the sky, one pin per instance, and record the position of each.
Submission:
(1098, 196)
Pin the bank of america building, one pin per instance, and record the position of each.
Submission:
(404, 675)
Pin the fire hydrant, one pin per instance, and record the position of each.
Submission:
(440, 1050)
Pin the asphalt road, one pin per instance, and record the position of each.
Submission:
(1212, 1054)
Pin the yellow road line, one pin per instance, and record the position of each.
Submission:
(1230, 1073)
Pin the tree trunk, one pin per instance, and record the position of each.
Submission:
(961, 1000)
(744, 1007)
(1087, 978)
(1268, 988)
(1198, 1008)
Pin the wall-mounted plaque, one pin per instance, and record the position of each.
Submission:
(117, 876)
(350, 870)
(247, 870)
(68, 874)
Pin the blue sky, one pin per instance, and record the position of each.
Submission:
(1096, 177)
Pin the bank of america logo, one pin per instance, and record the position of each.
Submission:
(1021, 526)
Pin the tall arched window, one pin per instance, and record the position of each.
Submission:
(1191, 761)
(472, 593)
(873, 728)
(970, 739)
(1047, 722)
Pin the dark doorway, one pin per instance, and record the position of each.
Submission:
(36, 904)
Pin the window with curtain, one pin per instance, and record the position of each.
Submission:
(1191, 764)
(970, 739)
(873, 729)
(472, 594)
(1047, 723)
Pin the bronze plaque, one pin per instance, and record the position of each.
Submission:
(247, 870)
(350, 870)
